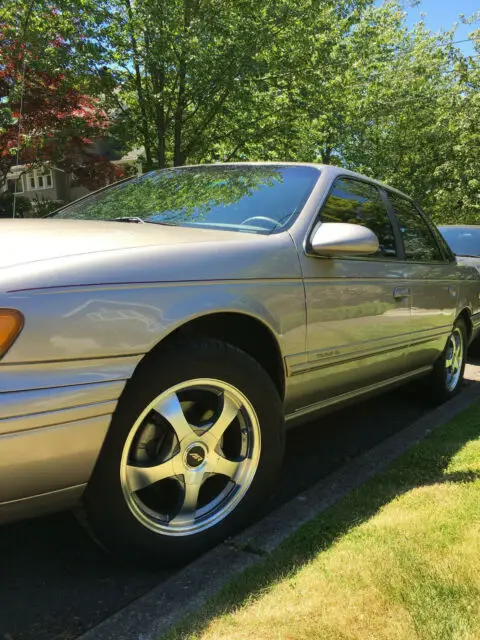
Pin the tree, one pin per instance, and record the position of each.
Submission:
(211, 80)
(45, 116)
(400, 105)
(456, 195)
(332, 81)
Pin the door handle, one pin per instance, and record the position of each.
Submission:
(401, 292)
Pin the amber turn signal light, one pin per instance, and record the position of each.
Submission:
(11, 323)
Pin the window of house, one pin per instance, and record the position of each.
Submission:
(15, 186)
(418, 240)
(40, 179)
(357, 202)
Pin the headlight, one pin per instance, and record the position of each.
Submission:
(11, 323)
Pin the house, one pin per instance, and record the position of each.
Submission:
(46, 183)
(52, 183)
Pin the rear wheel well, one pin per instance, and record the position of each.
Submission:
(239, 330)
(466, 317)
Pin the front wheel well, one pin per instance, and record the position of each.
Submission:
(242, 331)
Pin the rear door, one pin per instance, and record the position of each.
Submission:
(432, 282)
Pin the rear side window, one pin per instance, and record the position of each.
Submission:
(418, 239)
(358, 202)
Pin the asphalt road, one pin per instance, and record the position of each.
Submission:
(55, 583)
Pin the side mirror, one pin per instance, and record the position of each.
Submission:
(340, 238)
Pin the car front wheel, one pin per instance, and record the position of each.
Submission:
(192, 455)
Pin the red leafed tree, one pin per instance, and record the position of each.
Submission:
(46, 119)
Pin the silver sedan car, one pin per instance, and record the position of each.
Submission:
(157, 336)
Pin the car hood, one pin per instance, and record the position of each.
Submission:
(26, 241)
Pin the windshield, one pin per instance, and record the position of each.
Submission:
(254, 198)
(464, 241)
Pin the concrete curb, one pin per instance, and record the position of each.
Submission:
(151, 616)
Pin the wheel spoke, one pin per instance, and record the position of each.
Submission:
(221, 465)
(229, 412)
(141, 477)
(454, 360)
(193, 482)
(171, 409)
(206, 432)
(456, 357)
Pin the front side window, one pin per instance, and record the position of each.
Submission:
(357, 202)
(418, 240)
(253, 198)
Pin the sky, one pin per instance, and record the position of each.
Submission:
(442, 14)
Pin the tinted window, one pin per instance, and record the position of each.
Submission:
(464, 241)
(358, 202)
(256, 198)
(418, 240)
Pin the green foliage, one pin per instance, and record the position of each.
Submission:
(41, 208)
(333, 81)
(23, 206)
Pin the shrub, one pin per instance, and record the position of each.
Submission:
(42, 208)
(23, 207)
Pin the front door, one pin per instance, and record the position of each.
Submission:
(358, 309)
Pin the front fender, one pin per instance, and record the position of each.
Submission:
(129, 320)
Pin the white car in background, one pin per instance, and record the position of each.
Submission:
(464, 241)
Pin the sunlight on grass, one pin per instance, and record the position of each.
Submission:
(397, 559)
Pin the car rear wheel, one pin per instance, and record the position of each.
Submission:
(447, 376)
(192, 455)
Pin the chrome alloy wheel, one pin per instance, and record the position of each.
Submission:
(454, 359)
(190, 457)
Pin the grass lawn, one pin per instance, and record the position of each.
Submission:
(398, 558)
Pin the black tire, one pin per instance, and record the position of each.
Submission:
(109, 518)
(439, 390)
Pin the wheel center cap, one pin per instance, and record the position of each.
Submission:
(195, 455)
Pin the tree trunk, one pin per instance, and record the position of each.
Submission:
(327, 154)
(139, 88)
(178, 154)
(157, 74)
(161, 124)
